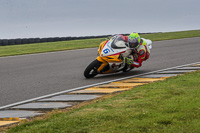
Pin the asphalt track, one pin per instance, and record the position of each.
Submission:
(30, 76)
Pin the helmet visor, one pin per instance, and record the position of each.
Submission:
(134, 45)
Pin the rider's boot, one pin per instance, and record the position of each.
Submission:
(128, 63)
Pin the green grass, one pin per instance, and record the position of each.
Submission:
(171, 106)
(172, 35)
(85, 43)
(47, 47)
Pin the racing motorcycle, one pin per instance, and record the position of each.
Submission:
(109, 58)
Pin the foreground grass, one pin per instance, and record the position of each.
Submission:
(85, 43)
(172, 105)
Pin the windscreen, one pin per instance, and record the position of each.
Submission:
(118, 42)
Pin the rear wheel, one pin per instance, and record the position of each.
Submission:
(91, 70)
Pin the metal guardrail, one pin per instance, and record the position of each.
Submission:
(5, 42)
(17, 41)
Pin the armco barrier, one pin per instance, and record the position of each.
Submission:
(63, 39)
(4, 42)
(56, 39)
(50, 39)
(68, 38)
(18, 41)
(24, 41)
(37, 40)
(43, 40)
(31, 40)
(12, 42)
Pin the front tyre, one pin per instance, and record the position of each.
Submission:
(91, 70)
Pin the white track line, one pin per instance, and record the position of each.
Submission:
(83, 87)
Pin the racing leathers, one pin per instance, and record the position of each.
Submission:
(140, 54)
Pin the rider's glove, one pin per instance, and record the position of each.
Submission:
(127, 60)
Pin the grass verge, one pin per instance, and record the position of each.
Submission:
(85, 43)
(172, 105)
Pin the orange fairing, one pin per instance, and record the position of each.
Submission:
(102, 44)
(106, 59)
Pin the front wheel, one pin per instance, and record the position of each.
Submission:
(91, 70)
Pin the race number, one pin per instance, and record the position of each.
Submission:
(106, 51)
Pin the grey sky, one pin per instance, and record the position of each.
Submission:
(59, 18)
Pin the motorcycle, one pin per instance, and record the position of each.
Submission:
(109, 58)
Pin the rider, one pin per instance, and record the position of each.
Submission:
(137, 47)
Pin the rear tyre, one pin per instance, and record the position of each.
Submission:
(91, 70)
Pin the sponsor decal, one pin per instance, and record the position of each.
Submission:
(108, 43)
(111, 48)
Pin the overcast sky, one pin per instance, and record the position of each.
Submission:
(60, 18)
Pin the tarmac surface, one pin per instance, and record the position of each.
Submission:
(30, 76)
